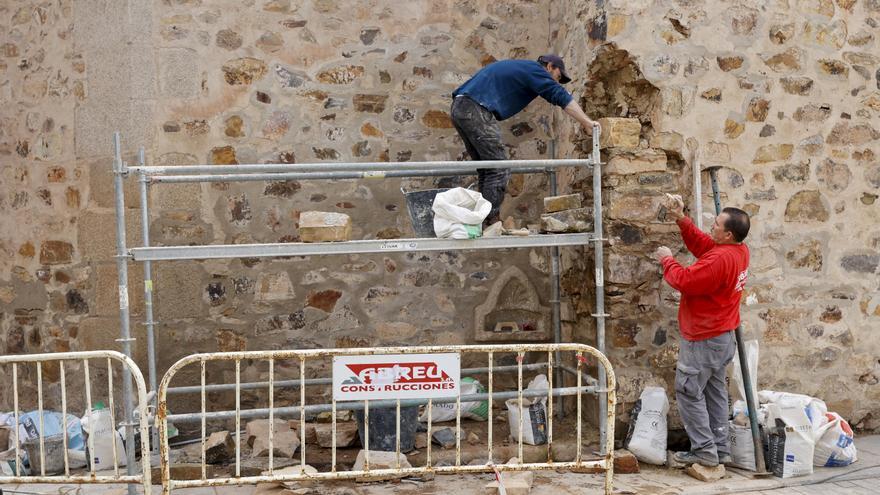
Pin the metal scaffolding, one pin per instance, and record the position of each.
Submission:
(149, 175)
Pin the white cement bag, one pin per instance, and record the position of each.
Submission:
(834, 443)
(814, 409)
(791, 439)
(742, 447)
(648, 442)
(751, 348)
(478, 411)
(459, 213)
(530, 416)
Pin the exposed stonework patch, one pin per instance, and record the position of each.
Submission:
(807, 254)
(807, 206)
(244, 71)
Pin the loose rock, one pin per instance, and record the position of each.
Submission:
(707, 474)
(380, 460)
(579, 220)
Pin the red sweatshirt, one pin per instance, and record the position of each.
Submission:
(710, 288)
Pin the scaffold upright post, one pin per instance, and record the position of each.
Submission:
(119, 172)
(600, 281)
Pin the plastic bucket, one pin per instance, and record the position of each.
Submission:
(53, 451)
(419, 204)
(383, 428)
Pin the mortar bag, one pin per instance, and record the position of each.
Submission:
(751, 348)
(459, 213)
(29, 428)
(531, 415)
(791, 452)
(834, 443)
(742, 446)
(814, 409)
(648, 440)
(476, 410)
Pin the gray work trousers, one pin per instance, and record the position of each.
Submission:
(481, 134)
(701, 393)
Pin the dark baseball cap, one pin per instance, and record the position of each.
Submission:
(556, 60)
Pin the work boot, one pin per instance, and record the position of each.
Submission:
(725, 459)
(692, 458)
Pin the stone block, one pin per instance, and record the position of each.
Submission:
(320, 226)
(671, 141)
(578, 220)
(636, 206)
(106, 283)
(773, 153)
(625, 462)
(56, 252)
(181, 290)
(380, 460)
(260, 428)
(346, 433)
(707, 474)
(96, 236)
(624, 162)
(553, 204)
(285, 440)
(178, 74)
(444, 437)
(807, 206)
(244, 71)
(274, 287)
(284, 444)
(619, 132)
(219, 447)
(630, 269)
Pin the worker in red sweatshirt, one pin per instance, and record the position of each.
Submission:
(708, 313)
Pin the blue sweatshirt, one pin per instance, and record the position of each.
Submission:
(506, 87)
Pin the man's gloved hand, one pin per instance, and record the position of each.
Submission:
(662, 252)
(674, 206)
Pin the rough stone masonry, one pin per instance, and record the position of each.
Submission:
(783, 94)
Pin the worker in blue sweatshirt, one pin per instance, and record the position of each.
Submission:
(497, 92)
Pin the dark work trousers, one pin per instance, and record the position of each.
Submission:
(701, 393)
(481, 134)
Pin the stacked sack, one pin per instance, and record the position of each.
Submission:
(799, 433)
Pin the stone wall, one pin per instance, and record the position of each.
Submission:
(783, 96)
(246, 82)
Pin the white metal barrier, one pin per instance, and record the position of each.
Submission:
(16, 365)
(575, 354)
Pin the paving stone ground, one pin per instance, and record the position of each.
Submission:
(861, 478)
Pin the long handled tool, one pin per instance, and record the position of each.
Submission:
(760, 466)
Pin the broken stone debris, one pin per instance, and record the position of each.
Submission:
(568, 221)
(445, 437)
(380, 460)
(707, 474)
(346, 433)
(219, 447)
(323, 226)
(625, 462)
(285, 440)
